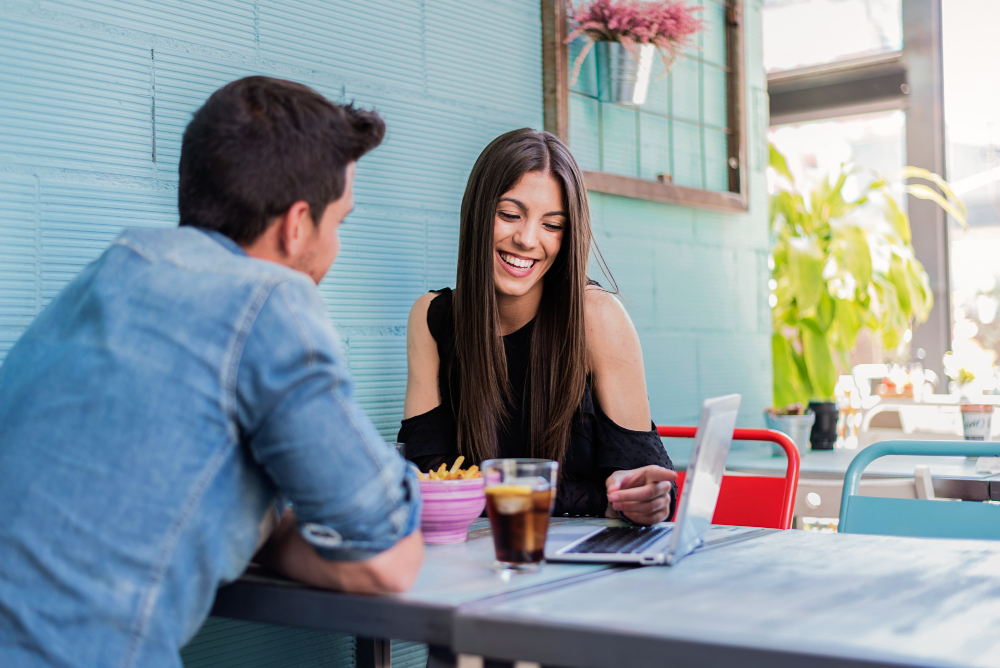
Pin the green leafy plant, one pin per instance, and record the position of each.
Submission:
(840, 266)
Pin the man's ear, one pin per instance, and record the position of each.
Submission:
(295, 229)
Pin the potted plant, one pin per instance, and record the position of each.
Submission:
(627, 33)
(839, 266)
(793, 420)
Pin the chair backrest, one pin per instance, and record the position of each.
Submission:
(752, 501)
(917, 517)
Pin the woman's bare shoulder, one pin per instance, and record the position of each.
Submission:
(606, 320)
(417, 329)
(422, 304)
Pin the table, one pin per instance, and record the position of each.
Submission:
(790, 598)
(452, 576)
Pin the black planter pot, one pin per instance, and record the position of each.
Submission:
(824, 431)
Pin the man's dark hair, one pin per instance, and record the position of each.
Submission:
(258, 145)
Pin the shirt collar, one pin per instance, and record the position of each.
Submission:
(226, 242)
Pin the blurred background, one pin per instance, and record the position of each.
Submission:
(822, 35)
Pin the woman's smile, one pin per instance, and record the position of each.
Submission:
(517, 265)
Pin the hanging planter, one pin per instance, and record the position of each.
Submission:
(627, 34)
(622, 78)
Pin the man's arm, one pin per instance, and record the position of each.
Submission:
(392, 571)
(356, 518)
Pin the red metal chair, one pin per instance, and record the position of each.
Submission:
(752, 501)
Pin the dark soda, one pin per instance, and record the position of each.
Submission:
(519, 516)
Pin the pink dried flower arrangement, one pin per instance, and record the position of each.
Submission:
(666, 24)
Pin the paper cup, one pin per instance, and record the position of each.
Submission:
(977, 420)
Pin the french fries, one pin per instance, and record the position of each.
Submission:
(455, 473)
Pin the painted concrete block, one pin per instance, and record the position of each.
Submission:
(79, 221)
(713, 49)
(694, 50)
(658, 95)
(378, 364)
(584, 131)
(687, 159)
(362, 41)
(586, 82)
(379, 272)
(750, 295)
(20, 298)
(216, 25)
(716, 160)
(73, 100)
(618, 137)
(738, 363)
(746, 230)
(654, 146)
(714, 85)
(630, 263)
(765, 318)
(640, 219)
(671, 365)
(469, 59)
(686, 90)
(697, 288)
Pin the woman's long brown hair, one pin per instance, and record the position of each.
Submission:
(558, 367)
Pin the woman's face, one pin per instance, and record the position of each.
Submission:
(528, 231)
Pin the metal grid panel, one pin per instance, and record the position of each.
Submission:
(682, 129)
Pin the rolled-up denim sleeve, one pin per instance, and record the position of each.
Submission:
(353, 495)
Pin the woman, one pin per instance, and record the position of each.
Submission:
(526, 357)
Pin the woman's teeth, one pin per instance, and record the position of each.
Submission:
(517, 262)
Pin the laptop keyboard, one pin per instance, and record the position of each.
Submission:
(620, 540)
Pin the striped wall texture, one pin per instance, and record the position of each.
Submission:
(94, 96)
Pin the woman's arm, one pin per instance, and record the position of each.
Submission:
(422, 362)
(428, 428)
(614, 357)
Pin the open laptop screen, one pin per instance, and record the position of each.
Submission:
(704, 475)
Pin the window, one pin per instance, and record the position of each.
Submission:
(685, 145)
(802, 33)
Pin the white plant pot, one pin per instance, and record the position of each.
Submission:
(621, 78)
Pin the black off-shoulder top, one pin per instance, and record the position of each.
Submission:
(598, 447)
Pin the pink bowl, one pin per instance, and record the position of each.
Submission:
(450, 506)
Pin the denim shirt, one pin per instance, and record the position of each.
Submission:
(150, 418)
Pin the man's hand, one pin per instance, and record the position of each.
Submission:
(643, 494)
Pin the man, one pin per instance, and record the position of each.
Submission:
(154, 413)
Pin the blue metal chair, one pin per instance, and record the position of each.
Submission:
(917, 517)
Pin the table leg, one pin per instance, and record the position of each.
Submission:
(373, 653)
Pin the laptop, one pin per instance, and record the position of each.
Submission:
(659, 544)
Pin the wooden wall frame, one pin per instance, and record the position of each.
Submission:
(555, 91)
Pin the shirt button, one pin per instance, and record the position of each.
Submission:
(565, 514)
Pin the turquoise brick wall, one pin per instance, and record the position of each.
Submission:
(94, 96)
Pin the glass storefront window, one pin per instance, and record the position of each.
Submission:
(972, 115)
(800, 33)
(872, 142)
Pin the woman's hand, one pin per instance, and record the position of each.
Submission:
(643, 494)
